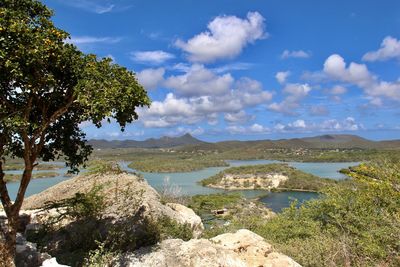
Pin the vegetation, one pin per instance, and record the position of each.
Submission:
(297, 180)
(90, 236)
(353, 225)
(182, 163)
(48, 87)
(190, 158)
(40, 167)
(17, 177)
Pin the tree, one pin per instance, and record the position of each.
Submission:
(47, 88)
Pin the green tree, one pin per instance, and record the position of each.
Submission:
(47, 88)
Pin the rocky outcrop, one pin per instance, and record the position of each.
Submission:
(240, 249)
(250, 181)
(183, 214)
(124, 193)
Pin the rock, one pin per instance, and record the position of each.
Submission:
(27, 254)
(240, 249)
(183, 214)
(124, 192)
(52, 263)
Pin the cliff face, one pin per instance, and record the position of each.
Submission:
(250, 181)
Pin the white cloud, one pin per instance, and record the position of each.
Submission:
(338, 90)
(199, 81)
(201, 95)
(390, 49)
(233, 66)
(225, 38)
(240, 116)
(358, 74)
(183, 130)
(294, 94)
(295, 54)
(81, 40)
(319, 111)
(331, 125)
(282, 76)
(90, 6)
(175, 110)
(253, 129)
(151, 78)
(156, 57)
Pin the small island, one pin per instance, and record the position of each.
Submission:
(276, 176)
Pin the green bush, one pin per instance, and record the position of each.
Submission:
(354, 225)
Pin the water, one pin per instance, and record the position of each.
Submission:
(280, 200)
(188, 181)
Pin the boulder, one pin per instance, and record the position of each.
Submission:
(52, 263)
(124, 193)
(241, 249)
(183, 214)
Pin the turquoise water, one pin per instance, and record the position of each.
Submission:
(188, 181)
(280, 200)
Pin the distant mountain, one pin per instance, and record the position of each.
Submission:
(333, 141)
(163, 142)
(189, 143)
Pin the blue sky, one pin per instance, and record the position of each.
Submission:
(258, 69)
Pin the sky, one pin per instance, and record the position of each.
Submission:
(246, 70)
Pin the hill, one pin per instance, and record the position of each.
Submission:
(335, 141)
(163, 142)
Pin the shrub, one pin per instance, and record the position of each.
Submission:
(353, 225)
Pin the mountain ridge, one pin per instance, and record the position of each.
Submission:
(312, 142)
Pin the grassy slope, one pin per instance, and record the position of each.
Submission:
(298, 180)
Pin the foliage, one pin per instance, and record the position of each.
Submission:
(297, 180)
(203, 204)
(171, 193)
(168, 164)
(100, 257)
(82, 206)
(16, 177)
(357, 225)
(95, 226)
(352, 224)
(47, 89)
(103, 167)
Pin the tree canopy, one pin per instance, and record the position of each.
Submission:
(47, 89)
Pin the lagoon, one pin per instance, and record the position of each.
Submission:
(188, 181)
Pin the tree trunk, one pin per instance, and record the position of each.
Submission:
(12, 212)
(9, 248)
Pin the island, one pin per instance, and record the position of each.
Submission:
(275, 176)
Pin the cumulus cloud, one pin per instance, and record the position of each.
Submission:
(358, 74)
(331, 125)
(236, 117)
(390, 49)
(295, 54)
(282, 76)
(198, 81)
(200, 94)
(225, 38)
(252, 129)
(294, 94)
(156, 57)
(151, 78)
